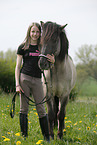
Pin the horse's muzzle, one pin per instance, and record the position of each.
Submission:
(43, 63)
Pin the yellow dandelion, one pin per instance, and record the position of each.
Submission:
(79, 129)
(39, 141)
(68, 126)
(18, 143)
(64, 130)
(17, 134)
(79, 138)
(80, 121)
(34, 109)
(6, 139)
(2, 113)
(96, 115)
(65, 117)
(88, 128)
(7, 105)
(93, 124)
(75, 124)
(36, 113)
(69, 121)
(94, 131)
(84, 115)
(96, 124)
(8, 133)
(29, 122)
(3, 136)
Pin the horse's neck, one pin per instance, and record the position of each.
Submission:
(60, 64)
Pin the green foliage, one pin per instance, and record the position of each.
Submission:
(87, 66)
(88, 88)
(7, 70)
(80, 123)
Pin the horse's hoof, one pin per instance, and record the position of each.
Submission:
(52, 136)
(59, 135)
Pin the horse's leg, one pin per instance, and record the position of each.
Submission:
(50, 117)
(61, 115)
(56, 109)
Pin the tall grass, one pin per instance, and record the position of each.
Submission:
(80, 122)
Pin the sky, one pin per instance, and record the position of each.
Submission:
(17, 15)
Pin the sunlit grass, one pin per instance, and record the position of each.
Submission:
(80, 124)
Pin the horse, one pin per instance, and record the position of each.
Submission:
(60, 76)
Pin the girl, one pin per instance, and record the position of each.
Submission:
(28, 79)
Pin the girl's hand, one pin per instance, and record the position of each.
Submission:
(51, 58)
(19, 89)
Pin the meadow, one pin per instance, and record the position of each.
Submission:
(80, 122)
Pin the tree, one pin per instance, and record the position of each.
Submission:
(87, 65)
(7, 70)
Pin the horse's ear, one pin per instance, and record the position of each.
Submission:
(62, 27)
(41, 22)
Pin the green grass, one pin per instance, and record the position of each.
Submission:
(80, 122)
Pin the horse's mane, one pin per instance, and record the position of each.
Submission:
(49, 28)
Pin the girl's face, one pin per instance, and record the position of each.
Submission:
(34, 33)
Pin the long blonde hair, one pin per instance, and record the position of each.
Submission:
(27, 40)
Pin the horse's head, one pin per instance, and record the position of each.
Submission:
(50, 42)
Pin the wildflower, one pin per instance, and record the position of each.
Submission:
(68, 126)
(17, 134)
(34, 109)
(6, 139)
(7, 105)
(84, 115)
(94, 131)
(65, 117)
(79, 129)
(29, 122)
(36, 113)
(39, 142)
(3, 136)
(96, 115)
(80, 121)
(88, 128)
(8, 133)
(69, 121)
(64, 130)
(18, 143)
(75, 124)
(96, 124)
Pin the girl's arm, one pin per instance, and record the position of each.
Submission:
(17, 73)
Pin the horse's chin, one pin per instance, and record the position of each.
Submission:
(43, 66)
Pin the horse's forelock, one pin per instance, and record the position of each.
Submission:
(48, 30)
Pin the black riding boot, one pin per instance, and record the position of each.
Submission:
(24, 124)
(44, 127)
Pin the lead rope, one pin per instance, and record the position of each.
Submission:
(45, 99)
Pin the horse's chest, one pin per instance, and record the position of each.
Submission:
(55, 84)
